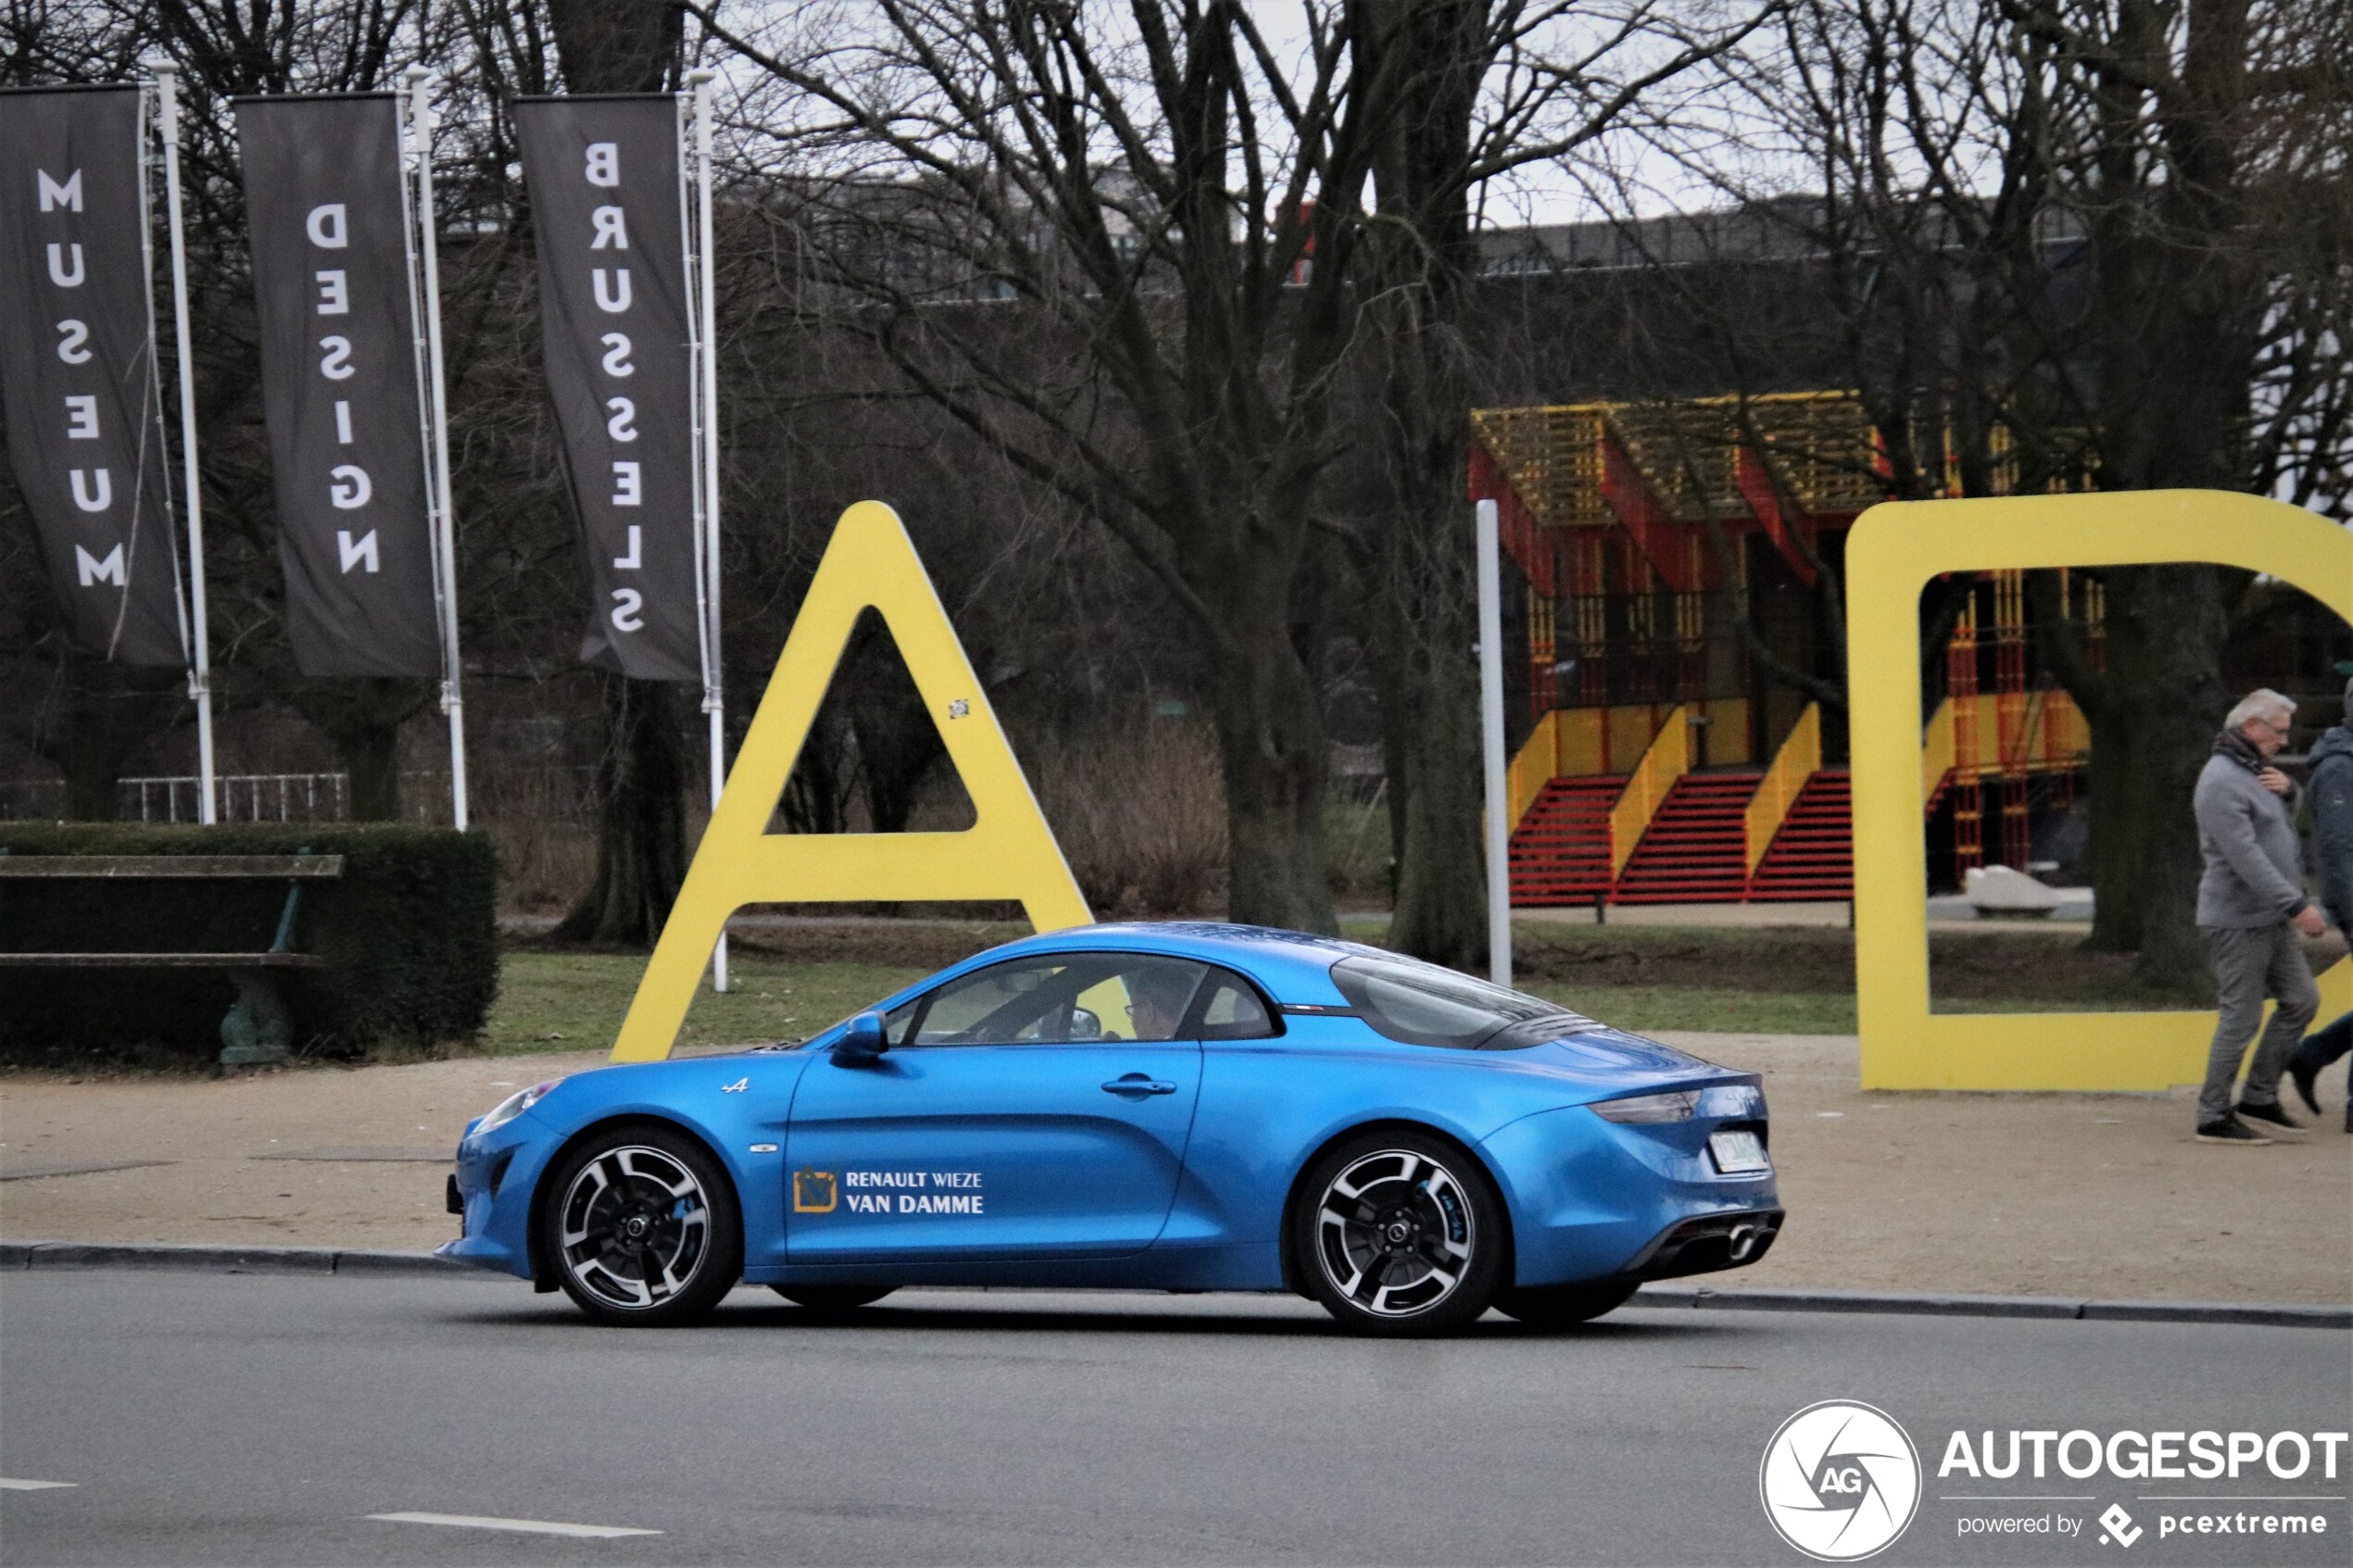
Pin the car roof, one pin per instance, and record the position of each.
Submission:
(1294, 966)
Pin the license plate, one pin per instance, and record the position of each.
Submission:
(1739, 1153)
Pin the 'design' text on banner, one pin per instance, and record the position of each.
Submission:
(326, 202)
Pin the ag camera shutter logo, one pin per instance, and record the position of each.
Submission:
(1840, 1481)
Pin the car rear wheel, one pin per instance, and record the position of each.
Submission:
(833, 1300)
(1560, 1306)
(1400, 1233)
(642, 1228)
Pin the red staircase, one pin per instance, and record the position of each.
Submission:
(1813, 856)
(1696, 850)
(1560, 851)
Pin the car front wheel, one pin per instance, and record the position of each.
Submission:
(1400, 1234)
(642, 1228)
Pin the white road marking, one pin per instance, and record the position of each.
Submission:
(526, 1526)
(7, 1485)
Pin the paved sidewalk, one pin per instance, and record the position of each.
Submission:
(2102, 1197)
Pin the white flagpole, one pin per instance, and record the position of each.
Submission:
(714, 701)
(166, 75)
(1490, 713)
(453, 701)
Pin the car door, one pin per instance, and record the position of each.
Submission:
(1038, 1108)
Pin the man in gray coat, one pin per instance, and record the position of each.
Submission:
(2252, 907)
(2330, 793)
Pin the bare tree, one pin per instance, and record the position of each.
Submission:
(1483, 89)
(2081, 242)
(1148, 194)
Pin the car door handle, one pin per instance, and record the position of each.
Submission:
(1139, 1084)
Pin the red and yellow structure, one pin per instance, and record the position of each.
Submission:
(1672, 556)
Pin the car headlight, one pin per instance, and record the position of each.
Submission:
(1675, 1105)
(514, 1105)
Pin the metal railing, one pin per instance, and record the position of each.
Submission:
(1799, 757)
(240, 797)
(1668, 759)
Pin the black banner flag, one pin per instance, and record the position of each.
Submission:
(326, 203)
(78, 366)
(603, 173)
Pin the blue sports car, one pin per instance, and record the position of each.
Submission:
(1146, 1107)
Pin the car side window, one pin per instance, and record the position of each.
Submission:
(1231, 1009)
(1062, 998)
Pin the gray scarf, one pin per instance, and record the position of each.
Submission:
(2241, 750)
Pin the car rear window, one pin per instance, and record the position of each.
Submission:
(1421, 1004)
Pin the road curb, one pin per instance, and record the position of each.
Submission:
(199, 1259)
(381, 1265)
(2265, 1315)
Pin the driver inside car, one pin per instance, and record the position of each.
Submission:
(1158, 995)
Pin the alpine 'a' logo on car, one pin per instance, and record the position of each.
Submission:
(1840, 1481)
(814, 1192)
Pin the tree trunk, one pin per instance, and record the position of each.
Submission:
(91, 776)
(105, 715)
(629, 46)
(2173, 324)
(1441, 878)
(372, 761)
(2154, 712)
(641, 830)
(1422, 592)
(1270, 731)
(361, 718)
(2166, 627)
(1420, 625)
(616, 45)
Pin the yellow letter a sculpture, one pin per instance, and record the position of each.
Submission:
(1007, 853)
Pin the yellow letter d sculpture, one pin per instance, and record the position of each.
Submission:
(1893, 552)
(1007, 853)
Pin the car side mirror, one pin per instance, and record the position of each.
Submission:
(862, 1043)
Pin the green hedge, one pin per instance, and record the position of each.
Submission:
(409, 934)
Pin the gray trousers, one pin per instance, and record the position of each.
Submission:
(2250, 965)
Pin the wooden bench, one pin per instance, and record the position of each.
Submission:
(258, 1028)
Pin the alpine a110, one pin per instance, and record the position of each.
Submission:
(1146, 1107)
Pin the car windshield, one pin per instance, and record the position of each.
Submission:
(1423, 1005)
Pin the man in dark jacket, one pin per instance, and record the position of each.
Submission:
(2330, 791)
(2251, 906)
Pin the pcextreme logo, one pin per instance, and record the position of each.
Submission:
(1840, 1481)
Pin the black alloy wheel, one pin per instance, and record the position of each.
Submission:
(832, 1300)
(1400, 1233)
(643, 1228)
(1564, 1306)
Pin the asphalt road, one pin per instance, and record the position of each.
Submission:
(216, 1419)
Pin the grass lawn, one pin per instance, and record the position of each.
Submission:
(574, 1001)
(1748, 980)
(1645, 1008)
(554, 1002)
